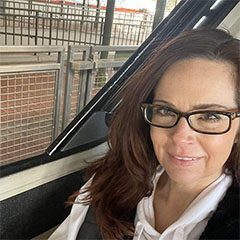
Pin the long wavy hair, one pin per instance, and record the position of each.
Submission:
(124, 175)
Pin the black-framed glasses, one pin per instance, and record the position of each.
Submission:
(204, 121)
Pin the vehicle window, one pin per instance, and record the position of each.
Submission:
(208, 15)
(44, 88)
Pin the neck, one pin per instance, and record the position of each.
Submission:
(171, 190)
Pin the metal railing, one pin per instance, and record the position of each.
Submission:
(34, 27)
(30, 101)
(22, 23)
(44, 88)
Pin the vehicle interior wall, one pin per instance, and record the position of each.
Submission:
(33, 200)
(42, 206)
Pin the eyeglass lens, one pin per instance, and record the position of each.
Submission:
(211, 122)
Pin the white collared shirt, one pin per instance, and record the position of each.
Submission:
(192, 222)
(189, 226)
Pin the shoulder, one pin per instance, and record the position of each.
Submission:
(224, 224)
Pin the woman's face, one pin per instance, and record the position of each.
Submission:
(190, 85)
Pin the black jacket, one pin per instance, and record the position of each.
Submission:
(224, 224)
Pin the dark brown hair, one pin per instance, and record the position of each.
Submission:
(124, 175)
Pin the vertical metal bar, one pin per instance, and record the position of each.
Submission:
(14, 18)
(139, 33)
(69, 30)
(80, 32)
(14, 6)
(120, 34)
(68, 24)
(57, 30)
(68, 89)
(2, 8)
(75, 26)
(58, 90)
(86, 32)
(29, 29)
(30, 5)
(89, 78)
(89, 85)
(47, 7)
(115, 32)
(21, 30)
(91, 31)
(101, 32)
(83, 77)
(43, 30)
(50, 29)
(96, 32)
(6, 24)
(36, 28)
(61, 11)
(53, 25)
(135, 33)
(97, 14)
(63, 31)
(144, 32)
(132, 35)
(126, 31)
(132, 30)
(83, 10)
(128, 35)
(125, 24)
(108, 25)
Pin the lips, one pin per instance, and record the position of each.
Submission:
(184, 161)
(185, 158)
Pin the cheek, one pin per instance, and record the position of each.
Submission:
(237, 138)
(218, 148)
(159, 140)
(153, 137)
(157, 136)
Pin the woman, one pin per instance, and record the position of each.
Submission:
(171, 171)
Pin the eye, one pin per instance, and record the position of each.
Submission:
(210, 117)
(163, 111)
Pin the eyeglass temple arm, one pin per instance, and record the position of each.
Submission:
(236, 115)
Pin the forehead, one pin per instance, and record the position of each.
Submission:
(198, 81)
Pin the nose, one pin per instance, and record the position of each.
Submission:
(182, 132)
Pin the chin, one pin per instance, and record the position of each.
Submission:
(183, 177)
(183, 174)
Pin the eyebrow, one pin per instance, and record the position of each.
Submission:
(196, 107)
